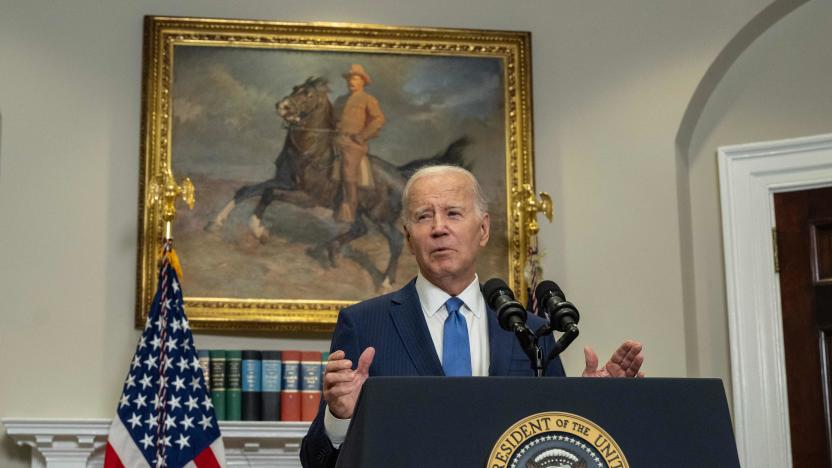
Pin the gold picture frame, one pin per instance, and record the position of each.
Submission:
(209, 92)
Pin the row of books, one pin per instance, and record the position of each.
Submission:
(264, 385)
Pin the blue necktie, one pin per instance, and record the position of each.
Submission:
(456, 353)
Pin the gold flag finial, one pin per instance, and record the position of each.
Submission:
(163, 194)
(529, 205)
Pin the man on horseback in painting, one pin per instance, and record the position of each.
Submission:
(366, 186)
(359, 120)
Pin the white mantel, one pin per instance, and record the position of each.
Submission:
(79, 443)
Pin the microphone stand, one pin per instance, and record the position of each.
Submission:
(562, 343)
(529, 343)
(569, 329)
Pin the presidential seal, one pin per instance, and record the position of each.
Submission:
(556, 440)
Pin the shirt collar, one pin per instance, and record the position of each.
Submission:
(433, 298)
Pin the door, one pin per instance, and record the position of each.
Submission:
(804, 243)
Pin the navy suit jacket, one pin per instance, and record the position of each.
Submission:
(395, 326)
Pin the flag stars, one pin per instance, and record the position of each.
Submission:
(205, 422)
(192, 404)
(150, 362)
(187, 423)
(170, 421)
(136, 420)
(140, 401)
(164, 404)
(183, 441)
(145, 381)
(147, 441)
(174, 403)
(179, 383)
(151, 421)
(157, 402)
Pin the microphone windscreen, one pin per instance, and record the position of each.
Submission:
(493, 287)
(546, 287)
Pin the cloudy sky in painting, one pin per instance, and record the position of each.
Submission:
(224, 101)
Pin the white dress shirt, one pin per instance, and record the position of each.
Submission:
(432, 300)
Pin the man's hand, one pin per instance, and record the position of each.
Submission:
(625, 362)
(357, 138)
(342, 384)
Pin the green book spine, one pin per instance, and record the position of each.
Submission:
(218, 396)
(234, 389)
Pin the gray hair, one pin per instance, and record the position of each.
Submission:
(480, 203)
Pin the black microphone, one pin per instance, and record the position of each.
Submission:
(510, 314)
(563, 316)
(512, 317)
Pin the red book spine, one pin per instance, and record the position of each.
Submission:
(310, 386)
(290, 389)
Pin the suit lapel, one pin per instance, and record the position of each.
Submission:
(407, 316)
(500, 345)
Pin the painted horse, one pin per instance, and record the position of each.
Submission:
(303, 176)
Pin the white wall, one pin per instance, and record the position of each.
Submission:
(779, 88)
(612, 81)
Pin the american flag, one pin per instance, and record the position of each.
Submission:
(165, 417)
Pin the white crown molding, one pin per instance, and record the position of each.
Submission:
(79, 443)
(749, 175)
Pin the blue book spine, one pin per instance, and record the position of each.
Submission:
(252, 385)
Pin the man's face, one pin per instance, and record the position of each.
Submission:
(355, 83)
(443, 229)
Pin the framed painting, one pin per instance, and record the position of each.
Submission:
(253, 113)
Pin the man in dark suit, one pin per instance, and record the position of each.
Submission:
(439, 323)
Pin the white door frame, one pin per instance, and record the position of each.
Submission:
(749, 176)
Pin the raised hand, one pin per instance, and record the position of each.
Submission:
(625, 362)
(342, 384)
